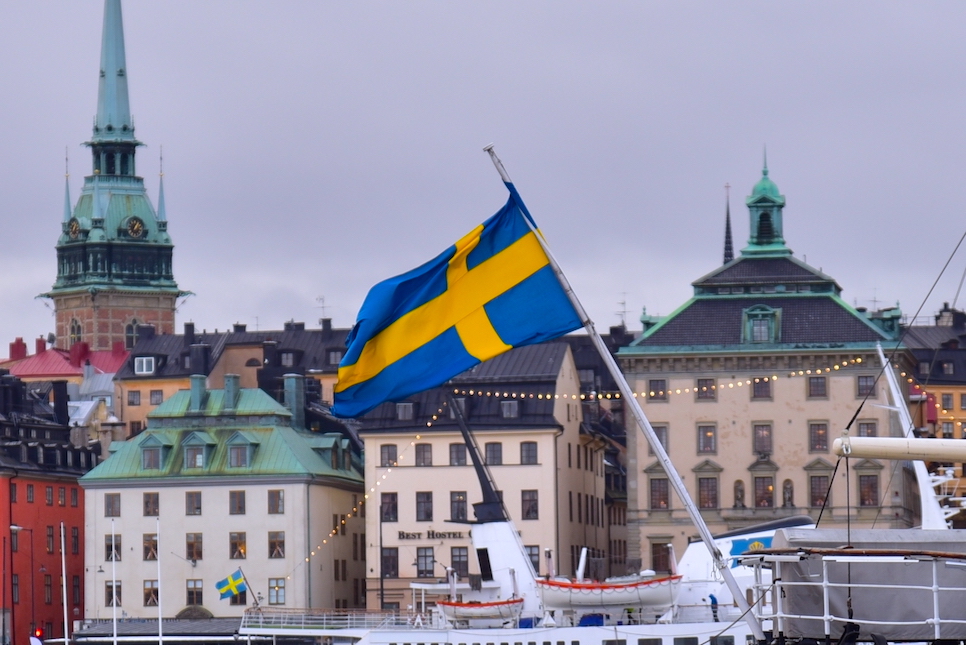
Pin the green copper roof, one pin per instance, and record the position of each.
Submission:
(251, 402)
(766, 188)
(113, 122)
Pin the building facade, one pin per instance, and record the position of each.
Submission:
(114, 254)
(238, 483)
(524, 410)
(747, 384)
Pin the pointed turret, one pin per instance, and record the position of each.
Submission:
(729, 251)
(113, 121)
(765, 206)
(67, 209)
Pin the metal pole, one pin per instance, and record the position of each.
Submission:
(3, 612)
(160, 614)
(114, 580)
(33, 594)
(672, 474)
(382, 576)
(63, 578)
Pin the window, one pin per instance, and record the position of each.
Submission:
(194, 456)
(192, 503)
(761, 389)
(73, 497)
(151, 458)
(276, 591)
(704, 389)
(530, 505)
(762, 439)
(193, 592)
(660, 557)
(75, 331)
(335, 357)
(760, 330)
(390, 562)
(867, 429)
(136, 427)
(13, 492)
(817, 387)
(818, 437)
(528, 452)
(948, 368)
(287, 359)
(657, 390)
(761, 323)
(240, 599)
(276, 544)
(276, 502)
(424, 507)
(962, 401)
(510, 409)
(130, 334)
(707, 440)
(660, 494)
(533, 553)
(112, 594)
(48, 589)
(424, 562)
(460, 405)
(817, 490)
(74, 540)
(112, 547)
(236, 502)
(50, 539)
(493, 453)
(865, 386)
(150, 504)
(424, 454)
(150, 544)
(460, 560)
(75, 588)
(237, 546)
(144, 365)
(707, 493)
(947, 400)
(389, 506)
(49, 495)
(764, 492)
(387, 455)
(112, 503)
(924, 368)
(157, 397)
(661, 432)
(193, 543)
(947, 429)
(404, 411)
(868, 490)
(15, 588)
(457, 454)
(30, 494)
(150, 593)
(457, 505)
(238, 456)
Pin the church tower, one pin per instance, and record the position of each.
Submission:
(765, 206)
(114, 253)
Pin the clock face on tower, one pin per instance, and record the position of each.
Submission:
(73, 228)
(135, 227)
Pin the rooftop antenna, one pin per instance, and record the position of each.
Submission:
(321, 305)
(622, 312)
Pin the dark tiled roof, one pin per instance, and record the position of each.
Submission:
(521, 364)
(933, 336)
(752, 270)
(804, 320)
(169, 349)
(936, 358)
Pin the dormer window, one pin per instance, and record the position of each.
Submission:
(151, 458)
(335, 357)
(287, 359)
(404, 411)
(194, 457)
(144, 365)
(761, 324)
(238, 456)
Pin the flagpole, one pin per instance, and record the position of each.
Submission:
(676, 482)
(160, 613)
(114, 580)
(248, 585)
(63, 577)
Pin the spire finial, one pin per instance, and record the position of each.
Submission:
(162, 215)
(67, 211)
(729, 251)
(161, 160)
(764, 170)
(113, 121)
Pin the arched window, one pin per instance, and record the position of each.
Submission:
(131, 334)
(75, 331)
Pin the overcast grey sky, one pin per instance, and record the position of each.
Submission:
(312, 149)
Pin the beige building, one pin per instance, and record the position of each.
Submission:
(524, 410)
(747, 384)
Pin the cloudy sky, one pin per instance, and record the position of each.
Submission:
(312, 149)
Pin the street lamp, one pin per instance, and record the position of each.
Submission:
(33, 596)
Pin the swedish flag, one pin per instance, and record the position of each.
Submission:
(490, 292)
(233, 585)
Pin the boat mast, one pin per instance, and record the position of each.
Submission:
(676, 482)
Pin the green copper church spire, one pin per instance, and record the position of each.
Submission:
(765, 206)
(113, 121)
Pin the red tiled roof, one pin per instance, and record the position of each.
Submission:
(56, 362)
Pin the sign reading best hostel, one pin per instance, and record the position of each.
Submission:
(431, 535)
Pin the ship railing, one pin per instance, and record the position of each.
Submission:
(903, 595)
(327, 619)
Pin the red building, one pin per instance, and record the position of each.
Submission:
(38, 496)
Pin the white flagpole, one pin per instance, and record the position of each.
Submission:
(114, 580)
(160, 614)
(63, 578)
(643, 423)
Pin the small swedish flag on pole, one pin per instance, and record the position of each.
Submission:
(233, 585)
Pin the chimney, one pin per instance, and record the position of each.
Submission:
(326, 325)
(88, 370)
(61, 414)
(79, 352)
(146, 332)
(232, 390)
(199, 358)
(294, 326)
(295, 399)
(240, 328)
(198, 393)
(189, 334)
(18, 349)
(269, 353)
(40, 345)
